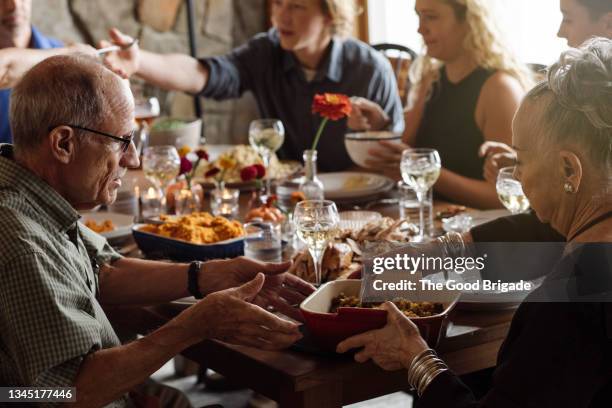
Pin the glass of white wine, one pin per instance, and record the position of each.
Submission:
(510, 191)
(316, 222)
(266, 136)
(420, 169)
(161, 165)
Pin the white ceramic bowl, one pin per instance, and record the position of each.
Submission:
(358, 144)
(186, 135)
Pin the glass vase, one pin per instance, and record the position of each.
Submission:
(311, 186)
(187, 201)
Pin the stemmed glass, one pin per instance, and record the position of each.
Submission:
(146, 109)
(510, 191)
(266, 136)
(420, 170)
(161, 165)
(316, 222)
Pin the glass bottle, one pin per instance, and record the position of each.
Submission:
(311, 186)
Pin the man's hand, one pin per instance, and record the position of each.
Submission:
(497, 156)
(126, 62)
(281, 290)
(366, 115)
(229, 316)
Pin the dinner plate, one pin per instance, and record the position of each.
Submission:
(123, 223)
(352, 185)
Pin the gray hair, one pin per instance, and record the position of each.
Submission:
(579, 108)
(66, 89)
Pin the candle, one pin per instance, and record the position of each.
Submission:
(225, 202)
(151, 202)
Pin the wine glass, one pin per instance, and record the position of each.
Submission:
(266, 136)
(146, 110)
(420, 170)
(161, 165)
(510, 191)
(316, 222)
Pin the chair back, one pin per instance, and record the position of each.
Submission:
(401, 58)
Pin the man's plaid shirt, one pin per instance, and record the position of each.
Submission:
(50, 318)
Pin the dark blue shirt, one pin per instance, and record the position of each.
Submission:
(40, 42)
(278, 82)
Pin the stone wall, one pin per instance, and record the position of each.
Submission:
(221, 25)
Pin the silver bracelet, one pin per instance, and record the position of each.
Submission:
(416, 362)
(452, 244)
(429, 379)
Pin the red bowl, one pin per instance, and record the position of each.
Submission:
(329, 329)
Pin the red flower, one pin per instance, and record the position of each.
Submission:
(202, 154)
(186, 165)
(271, 200)
(331, 106)
(261, 170)
(248, 173)
(212, 172)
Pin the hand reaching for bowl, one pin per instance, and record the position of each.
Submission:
(281, 290)
(393, 347)
(387, 156)
(229, 316)
(366, 115)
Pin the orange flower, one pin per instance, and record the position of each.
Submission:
(332, 106)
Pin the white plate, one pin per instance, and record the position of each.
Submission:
(123, 223)
(480, 217)
(345, 185)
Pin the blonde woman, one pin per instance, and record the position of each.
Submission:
(308, 51)
(558, 350)
(467, 87)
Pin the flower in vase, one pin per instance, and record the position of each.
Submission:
(330, 107)
(248, 173)
(188, 167)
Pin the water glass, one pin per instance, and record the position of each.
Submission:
(409, 207)
(263, 241)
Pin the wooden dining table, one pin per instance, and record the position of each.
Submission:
(295, 378)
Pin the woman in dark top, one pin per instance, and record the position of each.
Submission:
(466, 90)
(558, 352)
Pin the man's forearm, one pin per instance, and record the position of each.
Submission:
(131, 281)
(173, 72)
(14, 62)
(107, 374)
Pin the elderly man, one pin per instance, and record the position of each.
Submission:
(72, 124)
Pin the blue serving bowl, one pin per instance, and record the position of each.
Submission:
(157, 246)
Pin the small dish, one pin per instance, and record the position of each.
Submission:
(328, 329)
(459, 223)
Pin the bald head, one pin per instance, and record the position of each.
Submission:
(65, 90)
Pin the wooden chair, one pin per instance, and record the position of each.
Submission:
(401, 58)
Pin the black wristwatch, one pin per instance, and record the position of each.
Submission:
(192, 279)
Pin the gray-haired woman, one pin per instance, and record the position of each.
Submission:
(556, 354)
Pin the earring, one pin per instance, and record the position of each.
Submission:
(569, 188)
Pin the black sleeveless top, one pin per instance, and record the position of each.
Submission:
(449, 123)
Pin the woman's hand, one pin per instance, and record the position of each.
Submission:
(497, 155)
(393, 347)
(387, 158)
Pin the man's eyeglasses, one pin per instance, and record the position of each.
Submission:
(124, 140)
